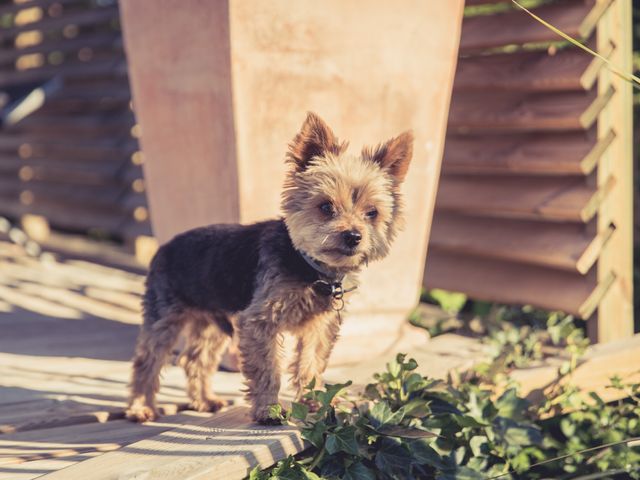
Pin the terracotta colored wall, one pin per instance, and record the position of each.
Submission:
(220, 88)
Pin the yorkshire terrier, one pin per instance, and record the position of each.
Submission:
(341, 211)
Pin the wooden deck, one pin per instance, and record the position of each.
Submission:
(68, 329)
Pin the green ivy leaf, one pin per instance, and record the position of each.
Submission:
(478, 463)
(257, 474)
(401, 431)
(467, 421)
(315, 434)
(311, 385)
(332, 467)
(344, 439)
(392, 457)
(393, 367)
(465, 473)
(276, 412)
(517, 434)
(371, 391)
(358, 471)
(410, 365)
(415, 408)
(415, 383)
(520, 462)
(288, 469)
(326, 397)
(567, 427)
(381, 414)
(424, 454)
(450, 302)
(299, 411)
(479, 445)
(510, 405)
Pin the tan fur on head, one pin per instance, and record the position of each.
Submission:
(362, 191)
(315, 139)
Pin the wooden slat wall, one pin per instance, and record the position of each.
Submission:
(68, 150)
(536, 156)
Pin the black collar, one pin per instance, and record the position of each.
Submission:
(329, 284)
(319, 268)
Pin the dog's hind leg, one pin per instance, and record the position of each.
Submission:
(153, 346)
(206, 344)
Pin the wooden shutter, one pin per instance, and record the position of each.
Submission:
(535, 198)
(66, 145)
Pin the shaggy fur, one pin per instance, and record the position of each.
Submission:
(341, 210)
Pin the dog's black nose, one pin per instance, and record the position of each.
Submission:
(351, 238)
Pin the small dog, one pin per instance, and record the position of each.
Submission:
(340, 212)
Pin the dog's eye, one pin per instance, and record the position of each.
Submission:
(327, 208)
(371, 214)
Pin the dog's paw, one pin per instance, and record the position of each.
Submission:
(269, 415)
(269, 422)
(212, 404)
(141, 413)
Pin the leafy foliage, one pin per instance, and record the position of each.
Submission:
(518, 337)
(407, 426)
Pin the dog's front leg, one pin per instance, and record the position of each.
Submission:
(315, 343)
(260, 351)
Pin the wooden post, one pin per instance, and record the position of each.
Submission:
(615, 313)
(220, 88)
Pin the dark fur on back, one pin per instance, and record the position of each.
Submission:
(214, 268)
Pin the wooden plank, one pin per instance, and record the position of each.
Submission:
(100, 252)
(112, 41)
(99, 106)
(86, 148)
(576, 18)
(601, 362)
(83, 125)
(508, 282)
(227, 445)
(80, 18)
(615, 313)
(14, 7)
(512, 112)
(96, 195)
(54, 98)
(570, 153)
(31, 102)
(69, 171)
(569, 69)
(65, 173)
(546, 198)
(67, 216)
(98, 154)
(37, 468)
(70, 69)
(565, 246)
(85, 438)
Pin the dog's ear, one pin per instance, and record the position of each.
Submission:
(393, 156)
(315, 139)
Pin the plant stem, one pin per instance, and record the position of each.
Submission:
(317, 458)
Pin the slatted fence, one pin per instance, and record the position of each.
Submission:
(68, 150)
(535, 199)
